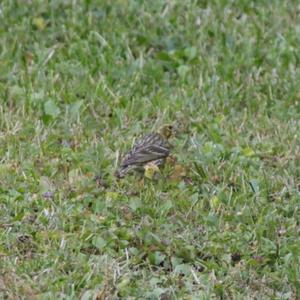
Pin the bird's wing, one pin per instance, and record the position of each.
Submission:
(150, 147)
(146, 153)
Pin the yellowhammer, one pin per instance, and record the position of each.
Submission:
(152, 148)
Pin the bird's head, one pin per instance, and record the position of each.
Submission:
(167, 131)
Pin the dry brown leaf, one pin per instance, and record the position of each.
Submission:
(178, 173)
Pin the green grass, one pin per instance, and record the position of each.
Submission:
(80, 79)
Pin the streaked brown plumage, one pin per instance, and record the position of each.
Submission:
(153, 147)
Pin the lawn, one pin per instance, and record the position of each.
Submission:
(80, 80)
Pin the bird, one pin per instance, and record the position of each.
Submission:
(152, 149)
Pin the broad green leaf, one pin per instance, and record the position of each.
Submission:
(51, 109)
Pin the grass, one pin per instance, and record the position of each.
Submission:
(80, 79)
